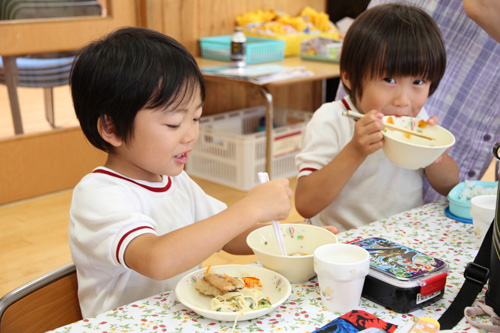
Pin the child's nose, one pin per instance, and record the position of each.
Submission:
(402, 98)
(191, 134)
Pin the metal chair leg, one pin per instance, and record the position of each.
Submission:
(11, 80)
(48, 96)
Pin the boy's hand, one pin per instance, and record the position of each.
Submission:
(271, 200)
(331, 228)
(433, 120)
(368, 137)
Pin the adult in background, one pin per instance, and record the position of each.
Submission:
(485, 13)
(467, 101)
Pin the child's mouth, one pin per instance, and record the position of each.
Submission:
(181, 158)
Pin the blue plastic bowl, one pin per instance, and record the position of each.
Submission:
(459, 207)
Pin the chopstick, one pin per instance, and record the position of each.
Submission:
(357, 115)
(264, 177)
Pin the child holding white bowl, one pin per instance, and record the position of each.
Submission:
(393, 58)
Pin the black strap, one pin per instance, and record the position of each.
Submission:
(476, 275)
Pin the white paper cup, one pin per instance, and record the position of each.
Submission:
(341, 270)
(482, 211)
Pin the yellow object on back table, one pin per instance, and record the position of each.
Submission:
(276, 24)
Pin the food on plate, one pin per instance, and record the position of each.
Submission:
(252, 282)
(214, 284)
(232, 294)
(247, 299)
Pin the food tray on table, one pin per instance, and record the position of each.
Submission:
(321, 49)
(292, 47)
(258, 49)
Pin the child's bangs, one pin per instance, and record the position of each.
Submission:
(176, 85)
(170, 94)
(404, 59)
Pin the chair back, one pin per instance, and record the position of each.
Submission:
(43, 304)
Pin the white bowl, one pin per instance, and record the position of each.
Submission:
(414, 152)
(274, 286)
(300, 242)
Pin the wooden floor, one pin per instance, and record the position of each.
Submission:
(34, 233)
(33, 112)
(34, 236)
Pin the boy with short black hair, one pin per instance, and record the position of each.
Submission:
(139, 223)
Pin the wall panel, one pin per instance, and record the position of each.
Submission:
(188, 20)
(33, 165)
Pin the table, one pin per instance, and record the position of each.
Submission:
(318, 70)
(424, 228)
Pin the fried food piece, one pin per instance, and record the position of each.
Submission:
(214, 284)
(223, 282)
(206, 288)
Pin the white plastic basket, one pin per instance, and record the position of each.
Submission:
(231, 150)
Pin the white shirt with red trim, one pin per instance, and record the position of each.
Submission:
(107, 212)
(378, 189)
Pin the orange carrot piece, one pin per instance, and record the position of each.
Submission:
(422, 123)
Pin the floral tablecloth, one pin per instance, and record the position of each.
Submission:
(425, 228)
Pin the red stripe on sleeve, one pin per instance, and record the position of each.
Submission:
(123, 238)
(308, 169)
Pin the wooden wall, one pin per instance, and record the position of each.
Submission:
(33, 165)
(32, 36)
(188, 20)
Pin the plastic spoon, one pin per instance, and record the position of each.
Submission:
(264, 177)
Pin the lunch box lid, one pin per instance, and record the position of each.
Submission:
(404, 267)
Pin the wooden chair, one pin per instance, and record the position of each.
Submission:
(45, 303)
(41, 73)
(47, 70)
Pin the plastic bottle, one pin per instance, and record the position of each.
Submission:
(238, 47)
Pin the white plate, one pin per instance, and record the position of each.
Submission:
(274, 286)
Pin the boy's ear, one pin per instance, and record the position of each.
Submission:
(345, 80)
(107, 130)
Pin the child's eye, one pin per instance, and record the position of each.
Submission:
(418, 82)
(389, 80)
(173, 126)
